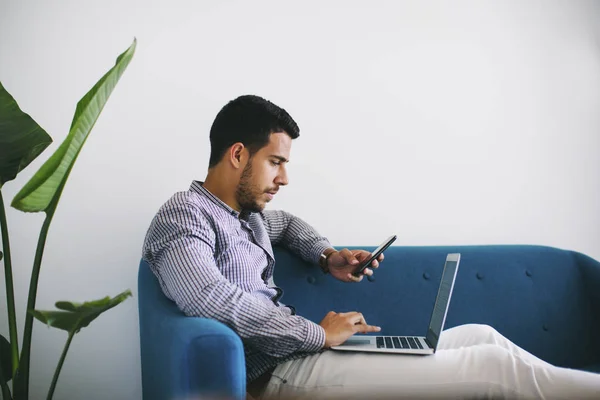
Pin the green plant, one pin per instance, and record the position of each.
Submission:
(21, 141)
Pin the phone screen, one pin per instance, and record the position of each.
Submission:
(375, 254)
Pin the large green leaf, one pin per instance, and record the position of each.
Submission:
(21, 138)
(45, 187)
(5, 359)
(76, 315)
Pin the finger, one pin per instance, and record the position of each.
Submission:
(361, 255)
(352, 278)
(381, 257)
(356, 318)
(359, 319)
(368, 272)
(364, 328)
(347, 314)
(349, 257)
(374, 264)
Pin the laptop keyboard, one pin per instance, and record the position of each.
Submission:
(398, 342)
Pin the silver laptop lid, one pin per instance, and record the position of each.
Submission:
(442, 301)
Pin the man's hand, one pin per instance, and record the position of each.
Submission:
(343, 263)
(339, 327)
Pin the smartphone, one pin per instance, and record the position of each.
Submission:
(375, 254)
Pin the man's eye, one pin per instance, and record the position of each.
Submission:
(275, 162)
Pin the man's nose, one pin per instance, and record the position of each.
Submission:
(282, 177)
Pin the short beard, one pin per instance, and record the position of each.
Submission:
(245, 191)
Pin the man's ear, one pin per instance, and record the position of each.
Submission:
(238, 155)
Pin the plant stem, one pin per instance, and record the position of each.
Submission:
(10, 296)
(22, 382)
(59, 366)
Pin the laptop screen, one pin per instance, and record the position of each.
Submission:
(438, 317)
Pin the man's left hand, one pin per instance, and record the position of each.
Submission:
(342, 264)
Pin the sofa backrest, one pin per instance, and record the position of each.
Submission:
(533, 295)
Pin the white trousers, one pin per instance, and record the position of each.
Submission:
(472, 361)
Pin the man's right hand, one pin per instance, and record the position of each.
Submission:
(339, 327)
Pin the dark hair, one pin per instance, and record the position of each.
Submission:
(250, 120)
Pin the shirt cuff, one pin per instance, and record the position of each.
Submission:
(315, 338)
(318, 249)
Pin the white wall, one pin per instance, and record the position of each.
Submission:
(471, 122)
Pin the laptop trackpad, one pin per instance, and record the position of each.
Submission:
(357, 341)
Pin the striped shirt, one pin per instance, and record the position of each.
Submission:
(215, 262)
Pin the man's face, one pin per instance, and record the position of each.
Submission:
(264, 173)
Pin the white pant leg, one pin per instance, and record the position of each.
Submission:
(477, 334)
(495, 368)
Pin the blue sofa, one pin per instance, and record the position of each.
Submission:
(544, 299)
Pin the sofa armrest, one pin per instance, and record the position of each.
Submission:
(189, 358)
(213, 357)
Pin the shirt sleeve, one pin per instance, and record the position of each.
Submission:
(180, 248)
(293, 233)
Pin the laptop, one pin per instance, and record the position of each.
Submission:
(423, 345)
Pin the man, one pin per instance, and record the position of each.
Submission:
(211, 250)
